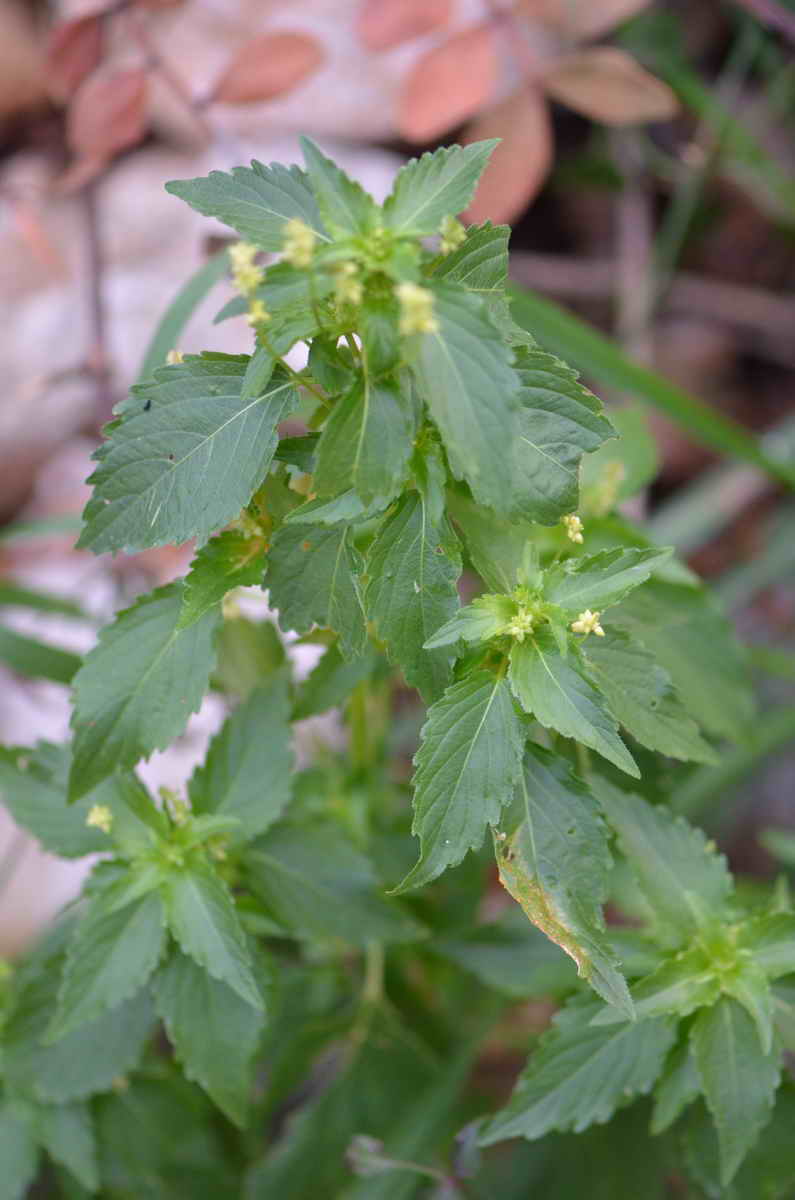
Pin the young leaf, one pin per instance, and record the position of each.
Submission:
(344, 204)
(554, 691)
(312, 579)
(230, 560)
(202, 917)
(679, 986)
(749, 986)
(480, 263)
(317, 883)
(678, 1087)
(559, 421)
(366, 442)
(246, 773)
(555, 864)
(111, 954)
(581, 1074)
(739, 1083)
(771, 940)
(434, 186)
(214, 1033)
(484, 618)
(683, 879)
(640, 696)
(138, 686)
(602, 579)
(412, 568)
(67, 1134)
(464, 375)
(185, 455)
(257, 201)
(467, 767)
(19, 1151)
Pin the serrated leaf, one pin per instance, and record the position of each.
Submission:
(344, 204)
(185, 455)
(480, 263)
(678, 986)
(412, 567)
(581, 1074)
(739, 1083)
(19, 1151)
(346, 508)
(555, 864)
(230, 560)
(138, 686)
(366, 442)
(331, 682)
(214, 1033)
(110, 956)
(257, 201)
(467, 767)
(558, 695)
(434, 186)
(683, 627)
(318, 884)
(311, 578)
(246, 773)
(494, 544)
(484, 618)
(749, 986)
(298, 451)
(677, 1088)
(67, 1134)
(202, 917)
(602, 579)
(771, 941)
(682, 877)
(640, 696)
(464, 375)
(559, 421)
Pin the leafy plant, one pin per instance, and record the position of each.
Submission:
(265, 969)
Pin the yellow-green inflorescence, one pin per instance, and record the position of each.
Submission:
(298, 247)
(416, 309)
(100, 817)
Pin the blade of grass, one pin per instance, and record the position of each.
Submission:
(36, 660)
(179, 312)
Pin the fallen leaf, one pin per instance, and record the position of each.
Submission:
(268, 66)
(74, 50)
(580, 19)
(607, 85)
(107, 113)
(519, 165)
(382, 24)
(448, 84)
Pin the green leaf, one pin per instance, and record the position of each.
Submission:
(749, 986)
(19, 1152)
(495, 546)
(679, 986)
(559, 420)
(15, 595)
(511, 956)
(67, 1134)
(312, 579)
(581, 1074)
(110, 956)
(366, 442)
(689, 636)
(331, 682)
(739, 1083)
(35, 659)
(620, 468)
(299, 451)
(317, 883)
(175, 318)
(257, 201)
(771, 940)
(555, 863)
(202, 917)
(467, 767)
(412, 568)
(480, 263)
(555, 692)
(230, 560)
(138, 686)
(185, 455)
(464, 375)
(484, 618)
(214, 1033)
(640, 696)
(246, 773)
(434, 186)
(344, 204)
(683, 879)
(677, 1088)
(602, 579)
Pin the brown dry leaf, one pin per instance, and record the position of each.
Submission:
(448, 84)
(607, 85)
(73, 52)
(108, 113)
(382, 24)
(580, 19)
(520, 163)
(268, 66)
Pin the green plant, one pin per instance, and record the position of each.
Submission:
(261, 973)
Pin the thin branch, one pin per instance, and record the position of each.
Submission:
(192, 104)
(97, 357)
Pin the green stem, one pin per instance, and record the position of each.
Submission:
(361, 748)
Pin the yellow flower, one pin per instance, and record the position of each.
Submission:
(521, 625)
(348, 288)
(588, 622)
(453, 234)
(416, 309)
(100, 817)
(298, 247)
(246, 274)
(174, 357)
(574, 527)
(257, 314)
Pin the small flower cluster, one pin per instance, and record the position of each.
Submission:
(247, 276)
(100, 817)
(452, 235)
(298, 247)
(348, 289)
(588, 622)
(574, 528)
(416, 309)
(520, 625)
